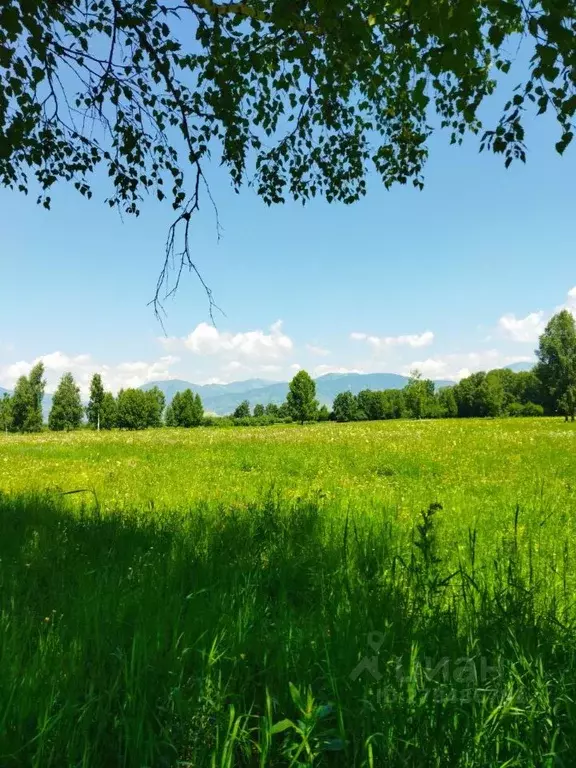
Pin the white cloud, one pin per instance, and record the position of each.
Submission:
(256, 345)
(408, 340)
(318, 351)
(236, 370)
(233, 365)
(82, 367)
(431, 368)
(58, 361)
(571, 301)
(270, 368)
(458, 366)
(9, 374)
(211, 380)
(526, 329)
(321, 370)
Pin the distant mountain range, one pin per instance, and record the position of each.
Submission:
(520, 367)
(172, 386)
(222, 399)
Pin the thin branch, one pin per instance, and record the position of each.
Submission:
(184, 256)
(100, 91)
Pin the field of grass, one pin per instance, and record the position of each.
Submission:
(383, 594)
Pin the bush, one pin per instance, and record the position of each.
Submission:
(218, 421)
(533, 409)
(527, 409)
(247, 421)
(323, 413)
(515, 409)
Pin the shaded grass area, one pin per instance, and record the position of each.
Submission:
(283, 633)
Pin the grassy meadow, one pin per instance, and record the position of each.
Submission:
(366, 594)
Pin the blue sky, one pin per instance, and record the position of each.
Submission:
(459, 277)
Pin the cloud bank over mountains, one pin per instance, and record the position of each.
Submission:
(210, 355)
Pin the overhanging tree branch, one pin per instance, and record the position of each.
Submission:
(306, 97)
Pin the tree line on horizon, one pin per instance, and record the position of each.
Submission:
(549, 389)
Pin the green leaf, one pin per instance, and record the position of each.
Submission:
(569, 107)
(564, 142)
(10, 21)
(324, 710)
(334, 745)
(496, 35)
(281, 726)
(295, 695)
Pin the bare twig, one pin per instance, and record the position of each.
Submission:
(184, 256)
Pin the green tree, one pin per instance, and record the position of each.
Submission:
(556, 366)
(301, 400)
(173, 411)
(393, 404)
(419, 396)
(259, 410)
(6, 422)
(133, 409)
(94, 408)
(323, 413)
(156, 401)
(284, 411)
(22, 404)
(370, 404)
(522, 387)
(169, 418)
(355, 82)
(198, 410)
(67, 411)
(187, 409)
(490, 399)
(466, 393)
(108, 411)
(447, 402)
(27, 401)
(242, 411)
(345, 407)
(272, 410)
(526, 388)
(37, 387)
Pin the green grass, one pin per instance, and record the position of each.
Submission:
(208, 599)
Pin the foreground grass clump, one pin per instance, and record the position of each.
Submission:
(277, 635)
(342, 619)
